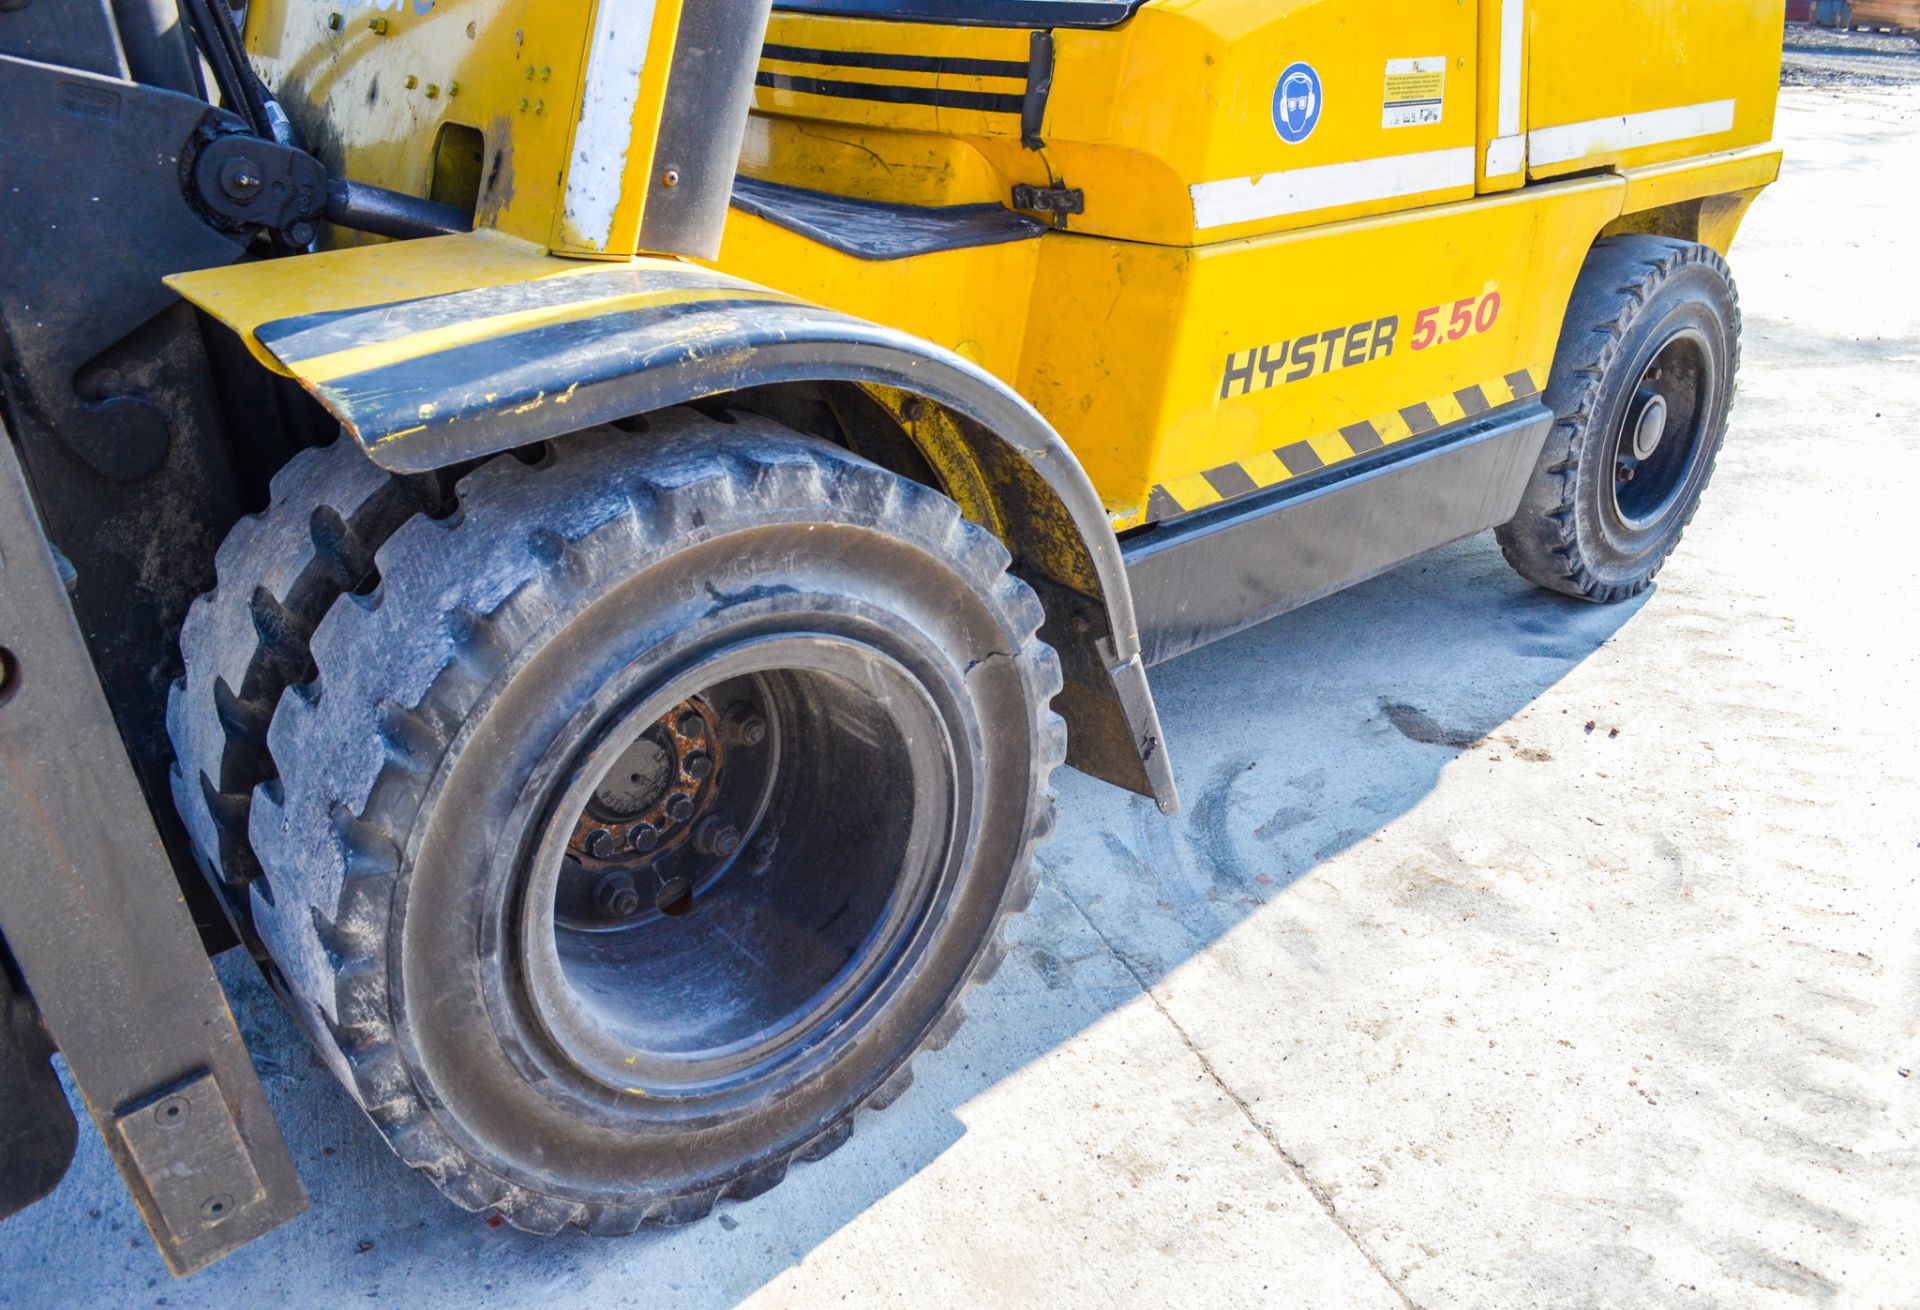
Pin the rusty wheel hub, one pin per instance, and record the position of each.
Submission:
(652, 799)
(658, 821)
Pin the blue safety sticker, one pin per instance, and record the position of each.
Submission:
(1296, 103)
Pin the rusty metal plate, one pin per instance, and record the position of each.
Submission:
(190, 1152)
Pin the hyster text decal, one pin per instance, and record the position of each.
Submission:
(1316, 352)
(1351, 346)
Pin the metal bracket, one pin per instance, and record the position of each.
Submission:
(245, 180)
(93, 916)
(187, 1145)
(1058, 200)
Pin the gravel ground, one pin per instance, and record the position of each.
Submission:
(1816, 56)
(1510, 951)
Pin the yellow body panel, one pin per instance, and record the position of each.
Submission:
(1262, 279)
(243, 296)
(1166, 123)
(1501, 143)
(1125, 328)
(1625, 83)
(1127, 347)
(565, 142)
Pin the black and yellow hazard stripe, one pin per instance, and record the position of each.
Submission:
(340, 343)
(1297, 459)
(387, 371)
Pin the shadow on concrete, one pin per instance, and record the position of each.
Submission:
(1292, 741)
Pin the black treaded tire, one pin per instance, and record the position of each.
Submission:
(421, 772)
(1647, 313)
(278, 573)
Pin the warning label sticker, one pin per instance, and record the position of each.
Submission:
(1416, 92)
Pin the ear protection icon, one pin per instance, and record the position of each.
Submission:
(1299, 98)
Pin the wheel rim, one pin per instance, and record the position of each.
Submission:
(1656, 444)
(748, 936)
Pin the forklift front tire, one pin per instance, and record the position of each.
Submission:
(1642, 382)
(650, 813)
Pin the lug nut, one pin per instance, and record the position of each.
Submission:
(691, 724)
(643, 836)
(744, 726)
(698, 765)
(616, 896)
(717, 837)
(679, 807)
(599, 843)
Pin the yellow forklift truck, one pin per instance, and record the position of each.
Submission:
(578, 532)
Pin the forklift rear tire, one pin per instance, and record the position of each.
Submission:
(1642, 383)
(278, 573)
(651, 812)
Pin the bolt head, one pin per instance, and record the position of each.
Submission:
(680, 807)
(643, 837)
(670, 178)
(599, 843)
(698, 765)
(616, 896)
(744, 727)
(691, 724)
(718, 837)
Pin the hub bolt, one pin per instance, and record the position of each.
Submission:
(643, 836)
(717, 837)
(691, 724)
(679, 807)
(599, 843)
(744, 726)
(698, 765)
(616, 896)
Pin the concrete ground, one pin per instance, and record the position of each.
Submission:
(1510, 952)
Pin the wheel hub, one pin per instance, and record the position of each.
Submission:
(660, 805)
(1660, 433)
(778, 904)
(651, 799)
(1647, 423)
